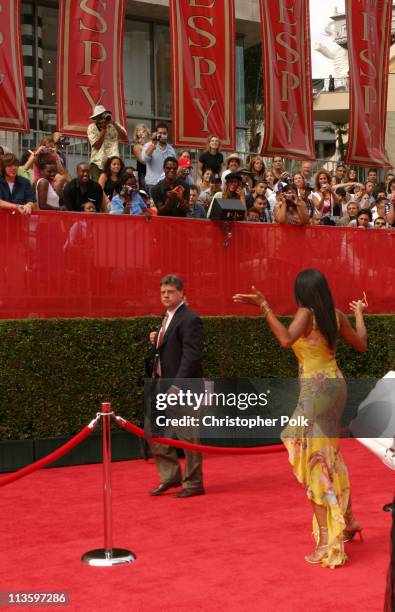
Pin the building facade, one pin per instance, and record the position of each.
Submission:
(147, 78)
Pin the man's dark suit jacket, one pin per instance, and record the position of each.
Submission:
(181, 349)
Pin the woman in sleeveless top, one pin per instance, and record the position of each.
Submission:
(47, 196)
(110, 180)
(314, 448)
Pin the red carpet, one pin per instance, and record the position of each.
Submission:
(240, 547)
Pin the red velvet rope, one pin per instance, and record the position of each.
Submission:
(201, 448)
(56, 454)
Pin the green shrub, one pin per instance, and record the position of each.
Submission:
(55, 372)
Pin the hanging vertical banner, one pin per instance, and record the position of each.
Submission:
(13, 108)
(90, 62)
(288, 96)
(203, 69)
(369, 37)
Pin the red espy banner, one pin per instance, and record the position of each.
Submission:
(13, 108)
(203, 68)
(369, 36)
(288, 97)
(90, 62)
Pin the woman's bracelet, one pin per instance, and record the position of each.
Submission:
(264, 306)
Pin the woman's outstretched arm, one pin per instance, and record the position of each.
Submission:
(286, 337)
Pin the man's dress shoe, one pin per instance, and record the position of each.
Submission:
(163, 487)
(189, 492)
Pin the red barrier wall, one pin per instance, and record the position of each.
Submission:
(80, 265)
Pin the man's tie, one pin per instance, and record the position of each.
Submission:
(162, 330)
(158, 369)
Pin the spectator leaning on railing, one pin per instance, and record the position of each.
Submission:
(253, 215)
(196, 210)
(350, 214)
(289, 207)
(129, 201)
(82, 189)
(233, 190)
(47, 197)
(261, 205)
(171, 195)
(364, 219)
(379, 223)
(16, 192)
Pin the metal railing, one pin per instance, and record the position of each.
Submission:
(79, 150)
(331, 85)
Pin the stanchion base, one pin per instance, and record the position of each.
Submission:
(106, 558)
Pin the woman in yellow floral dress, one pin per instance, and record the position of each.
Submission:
(314, 449)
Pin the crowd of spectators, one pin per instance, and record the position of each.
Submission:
(164, 184)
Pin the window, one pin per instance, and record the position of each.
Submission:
(47, 42)
(137, 69)
(162, 74)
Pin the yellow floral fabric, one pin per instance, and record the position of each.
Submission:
(313, 449)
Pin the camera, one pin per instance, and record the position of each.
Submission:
(159, 137)
(63, 142)
(126, 190)
(107, 116)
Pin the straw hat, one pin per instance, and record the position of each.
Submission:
(232, 156)
(97, 111)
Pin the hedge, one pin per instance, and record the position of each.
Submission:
(55, 372)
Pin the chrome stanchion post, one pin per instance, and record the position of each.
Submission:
(106, 420)
(108, 555)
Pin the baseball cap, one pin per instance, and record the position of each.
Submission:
(215, 178)
(233, 176)
(184, 162)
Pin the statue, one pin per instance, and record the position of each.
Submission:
(330, 49)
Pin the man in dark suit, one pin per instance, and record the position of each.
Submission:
(177, 350)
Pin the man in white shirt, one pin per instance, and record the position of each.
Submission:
(154, 154)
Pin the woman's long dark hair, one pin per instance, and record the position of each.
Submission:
(312, 291)
(108, 163)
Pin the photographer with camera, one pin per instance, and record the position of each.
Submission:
(61, 142)
(289, 207)
(154, 154)
(104, 135)
(128, 200)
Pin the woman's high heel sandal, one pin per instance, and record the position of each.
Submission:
(321, 551)
(352, 527)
